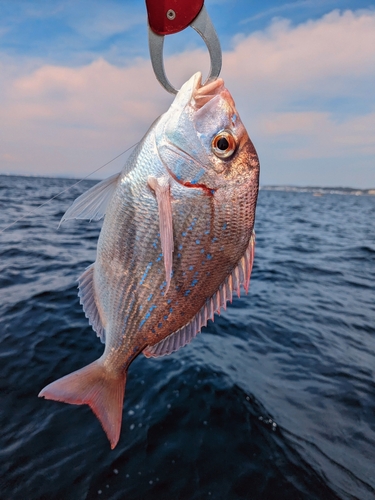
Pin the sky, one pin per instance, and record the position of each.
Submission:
(77, 87)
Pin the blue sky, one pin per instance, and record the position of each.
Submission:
(76, 85)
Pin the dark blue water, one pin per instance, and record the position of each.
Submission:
(275, 400)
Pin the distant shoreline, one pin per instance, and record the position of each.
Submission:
(320, 191)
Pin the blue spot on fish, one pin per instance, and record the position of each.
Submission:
(198, 176)
(209, 256)
(180, 247)
(202, 251)
(197, 242)
(187, 293)
(148, 314)
(191, 268)
(224, 226)
(149, 297)
(190, 228)
(146, 273)
(160, 325)
(183, 234)
(165, 317)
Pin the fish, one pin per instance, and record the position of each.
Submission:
(176, 242)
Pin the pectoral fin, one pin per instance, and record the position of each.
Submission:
(163, 196)
(93, 203)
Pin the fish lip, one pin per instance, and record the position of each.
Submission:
(196, 94)
(202, 94)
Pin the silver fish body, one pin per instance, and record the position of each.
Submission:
(176, 241)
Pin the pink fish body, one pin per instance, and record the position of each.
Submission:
(176, 241)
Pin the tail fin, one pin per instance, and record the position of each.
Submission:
(94, 386)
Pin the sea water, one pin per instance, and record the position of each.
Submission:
(273, 400)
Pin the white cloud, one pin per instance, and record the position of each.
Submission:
(60, 120)
(281, 9)
(316, 135)
(316, 58)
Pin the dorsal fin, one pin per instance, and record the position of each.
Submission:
(163, 196)
(239, 276)
(93, 203)
(88, 300)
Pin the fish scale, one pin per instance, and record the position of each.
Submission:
(176, 241)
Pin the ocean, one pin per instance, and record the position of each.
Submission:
(273, 400)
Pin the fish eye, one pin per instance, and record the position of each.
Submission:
(223, 144)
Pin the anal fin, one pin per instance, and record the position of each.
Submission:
(88, 300)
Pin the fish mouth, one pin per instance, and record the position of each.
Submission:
(195, 95)
(202, 94)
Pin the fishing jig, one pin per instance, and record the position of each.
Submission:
(166, 17)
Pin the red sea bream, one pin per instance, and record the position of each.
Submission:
(177, 240)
